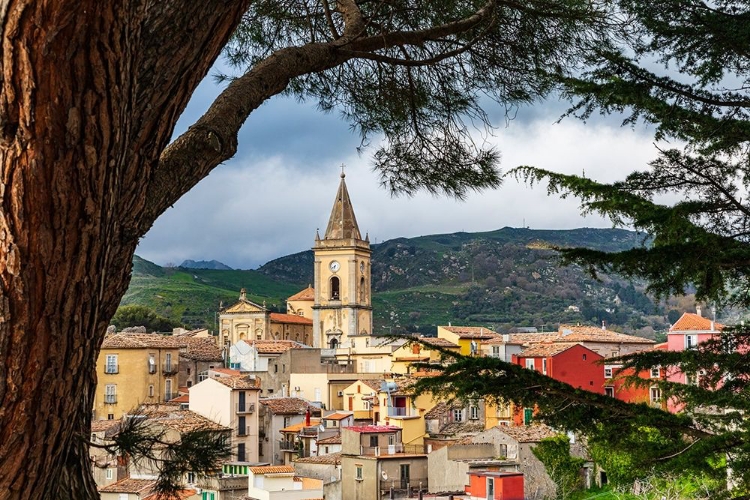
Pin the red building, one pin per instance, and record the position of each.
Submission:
(494, 485)
(567, 362)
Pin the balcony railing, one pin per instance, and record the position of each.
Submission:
(309, 431)
(243, 431)
(169, 368)
(401, 411)
(392, 449)
(226, 483)
(288, 445)
(404, 484)
(110, 399)
(111, 369)
(244, 407)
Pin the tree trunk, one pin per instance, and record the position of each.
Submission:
(90, 94)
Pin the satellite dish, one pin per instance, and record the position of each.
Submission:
(385, 476)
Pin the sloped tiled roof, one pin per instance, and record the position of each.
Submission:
(314, 422)
(527, 338)
(528, 433)
(471, 332)
(199, 348)
(289, 406)
(129, 486)
(330, 459)
(239, 382)
(103, 425)
(183, 398)
(570, 333)
(335, 439)
(306, 294)
(290, 318)
(546, 349)
(438, 342)
(180, 420)
(339, 415)
(275, 346)
(467, 427)
(140, 341)
(368, 429)
(690, 322)
(272, 469)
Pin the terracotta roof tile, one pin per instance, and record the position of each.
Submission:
(290, 318)
(306, 294)
(289, 406)
(690, 322)
(272, 469)
(314, 422)
(140, 341)
(471, 332)
(528, 433)
(437, 341)
(339, 415)
(275, 346)
(437, 411)
(546, 349)
(570, 333)
(179, 420)
(130, 486)
(104, 425)
(243, 382)
(199, 348)
(184, 398)
(336, 439)
(330, 459)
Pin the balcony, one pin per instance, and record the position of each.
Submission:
(244, 407)
(226, 483)
(110, 399)
(309, 431)
(392, 449)
(111, 369)
(400, 411)
(169, 368)
(404, 484)
(288, 445)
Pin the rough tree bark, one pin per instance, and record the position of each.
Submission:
(90, 93)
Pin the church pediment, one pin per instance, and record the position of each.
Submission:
(244, 306)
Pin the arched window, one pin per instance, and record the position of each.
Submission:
(334, 343)
(335, 288)
(362, 289)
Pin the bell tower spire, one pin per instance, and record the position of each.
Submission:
(342, 307)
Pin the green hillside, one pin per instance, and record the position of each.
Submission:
(500, 279)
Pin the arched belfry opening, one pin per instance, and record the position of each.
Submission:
(335, 288)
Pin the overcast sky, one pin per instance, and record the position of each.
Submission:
(269, 200)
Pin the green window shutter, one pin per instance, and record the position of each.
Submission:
(528, 413)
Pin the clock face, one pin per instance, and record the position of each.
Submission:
(361, 267)
(334, 266)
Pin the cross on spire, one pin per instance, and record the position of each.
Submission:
(342, 170)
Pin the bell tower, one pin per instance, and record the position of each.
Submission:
(342, 306)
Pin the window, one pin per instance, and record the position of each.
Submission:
(168, 389)
(276, 368)
(530, 363)
(111, 365)
(366, 405)
(168, 362)
(241, 426)
(655, 394)
(391, 439)
(241, 452)
(655, 372)
(458, 415)
(691, 379)
(609, 391)
(334, 288)
(287, 421)
(474, 412)
(528, 414)
(544, 366)
(151, 390)
(110, 416)
(374, 441)
(202, 376)
(358, 475)
(151, 363)
(584, 357)
(110, 475)
(690, 341)
(191, 477)
(110, 394)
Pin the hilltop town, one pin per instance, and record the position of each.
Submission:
(314, 404)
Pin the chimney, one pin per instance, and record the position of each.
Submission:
(604, 325)
(307, 417)
(698, 311)
(243, 294)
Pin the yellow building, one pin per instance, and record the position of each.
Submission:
(301, 303)
(468, 338)
(361, 398)
(248, 321)
(133, 369)
(405, 356)
(342, 305)
(399, 407)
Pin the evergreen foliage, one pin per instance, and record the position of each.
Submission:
(564, 469)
